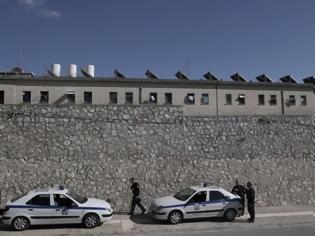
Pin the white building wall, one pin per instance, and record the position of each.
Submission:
(298, 108)
(101, 89)
(178, 97)
(251, 106)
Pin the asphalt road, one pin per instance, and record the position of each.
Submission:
(283, 231)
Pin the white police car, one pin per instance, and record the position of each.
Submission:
(197, 202)
(55, 206)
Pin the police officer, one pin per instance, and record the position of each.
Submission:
(250, 195)
(240, 190)
(135, 197)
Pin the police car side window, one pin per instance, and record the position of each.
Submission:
(62, 200)
(40, 200)
(216, 196)
(199, 197)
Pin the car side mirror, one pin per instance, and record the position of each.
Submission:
(227, 198)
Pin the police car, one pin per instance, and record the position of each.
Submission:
(55, 206)
(197, 202)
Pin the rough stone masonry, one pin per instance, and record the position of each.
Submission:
(94, 150)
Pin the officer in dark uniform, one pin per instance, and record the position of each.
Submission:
(240, 190)
(251, 202)
(135, 197)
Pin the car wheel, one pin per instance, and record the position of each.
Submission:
(175, 217)
(230, 214)
(20, 223)
(91, 220)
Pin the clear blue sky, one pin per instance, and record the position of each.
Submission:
(276, 37)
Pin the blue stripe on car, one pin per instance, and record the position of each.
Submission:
(207, 203)
(54, 207)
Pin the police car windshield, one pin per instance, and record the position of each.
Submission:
(184, 194)
(77, 197)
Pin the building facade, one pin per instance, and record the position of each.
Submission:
(198, 97)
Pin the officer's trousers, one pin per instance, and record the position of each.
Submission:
(251, 211)
(136, 202)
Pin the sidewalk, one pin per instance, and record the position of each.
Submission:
(266, 217)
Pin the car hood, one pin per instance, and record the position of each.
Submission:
(94, 202)
(166, 201)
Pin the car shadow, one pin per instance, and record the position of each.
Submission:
(147, 219)
(4, 227)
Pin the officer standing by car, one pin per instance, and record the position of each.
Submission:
(135, 197)
(250, 195)
(240, 190)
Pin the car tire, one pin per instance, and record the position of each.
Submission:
(230, 215)
(20, 223)
(175, 217)
(91, 220)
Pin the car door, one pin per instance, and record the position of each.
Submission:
(66, 210)
(216, 204)
(40, 210)
(196, 206)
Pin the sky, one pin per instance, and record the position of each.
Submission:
(250, 37)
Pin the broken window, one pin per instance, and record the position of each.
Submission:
(27, 96)
(71, 97)
(273, 100)
(168, 98)
(87, 97)
(241, 99)
(153, 97)
(292, 100)
(2, 97)
(44, 97)
(228, 99)
(190, 99)
(113, 98)
(303, 100)
(129, 98)
(261, 99)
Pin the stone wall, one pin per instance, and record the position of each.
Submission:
(94, 150)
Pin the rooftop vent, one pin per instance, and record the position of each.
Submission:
(309, 80)
(117, 74)
(89, 71)
(210, 76)
(73, 70)
(55, 70)
(264, 78)
(287, 79)
(180, 75)
(150, 75)
(238, 78)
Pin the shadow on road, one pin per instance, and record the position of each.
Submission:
(4, 227)
(147, 219)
